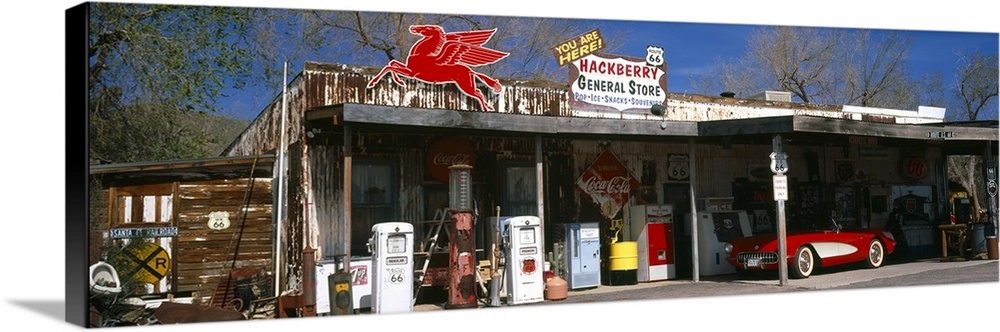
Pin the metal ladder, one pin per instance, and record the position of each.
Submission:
(428, 247)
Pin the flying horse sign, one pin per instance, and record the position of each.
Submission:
(441, 58)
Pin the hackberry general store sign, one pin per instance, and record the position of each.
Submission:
(607, 183)
(619, 83)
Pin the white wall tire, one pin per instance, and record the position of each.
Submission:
(876, 254)
(803, 263)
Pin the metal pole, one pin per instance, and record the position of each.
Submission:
(692, 167)
(281, 186)
(782, 246)
(779, 167)
(348, 174)
(540, 185)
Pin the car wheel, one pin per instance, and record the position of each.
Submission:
(803, 263)
(876, 254)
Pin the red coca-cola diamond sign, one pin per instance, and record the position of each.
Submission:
(607, 183)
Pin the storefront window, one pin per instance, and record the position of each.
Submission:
(519, 197)
(373, 199)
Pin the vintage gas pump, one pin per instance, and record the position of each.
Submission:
(525, 261)
(391, 246)
(461, 240)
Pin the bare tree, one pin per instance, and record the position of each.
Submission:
(975, 94)
(819, 65)
(374, 38)
(976, 84)
(874, 71)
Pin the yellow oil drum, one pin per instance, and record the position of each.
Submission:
(624, 256)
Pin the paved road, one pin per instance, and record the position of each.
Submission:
(914, 273)
(929, 272)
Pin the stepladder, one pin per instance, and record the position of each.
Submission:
(429, 246)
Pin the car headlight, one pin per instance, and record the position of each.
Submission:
(729, 248)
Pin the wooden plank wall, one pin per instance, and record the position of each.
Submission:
(204, 255)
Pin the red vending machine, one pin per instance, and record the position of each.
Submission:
(652, 226)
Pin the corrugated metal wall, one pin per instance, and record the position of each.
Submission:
(333, 84)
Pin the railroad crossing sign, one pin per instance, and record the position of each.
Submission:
(145, 262)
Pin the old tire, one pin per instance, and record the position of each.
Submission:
(876, 254)
(803, 263)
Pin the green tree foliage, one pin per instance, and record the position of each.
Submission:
(153, 66)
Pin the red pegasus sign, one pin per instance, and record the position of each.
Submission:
(440, 58)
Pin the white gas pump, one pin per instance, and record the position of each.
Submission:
(524, 260)
(391, 246)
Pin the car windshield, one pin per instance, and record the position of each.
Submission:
(812, 222)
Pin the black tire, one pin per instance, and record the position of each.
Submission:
(803, 263)
(876, 254)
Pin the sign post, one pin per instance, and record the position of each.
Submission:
(779, 165)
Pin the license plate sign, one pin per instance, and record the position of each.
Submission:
(753, 262)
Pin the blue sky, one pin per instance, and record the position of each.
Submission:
(35, 154)
(691, 46)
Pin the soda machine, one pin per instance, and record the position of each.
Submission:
(583, 255)
(652, 226)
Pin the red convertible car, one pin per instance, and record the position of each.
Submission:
(812, 241)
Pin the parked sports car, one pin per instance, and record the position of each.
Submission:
(812, 241)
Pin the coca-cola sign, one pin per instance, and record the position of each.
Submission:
(446, 152)
(607, 183)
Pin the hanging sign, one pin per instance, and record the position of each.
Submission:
(607, 183)
(677, 167)
(606, 82)
(446, 152)
(914, 168)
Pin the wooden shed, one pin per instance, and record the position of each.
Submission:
(210, 217)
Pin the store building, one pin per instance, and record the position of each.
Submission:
(357, 156)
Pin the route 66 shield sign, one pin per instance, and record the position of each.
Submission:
(218, 220)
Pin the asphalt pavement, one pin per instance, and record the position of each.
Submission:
(845, 277)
